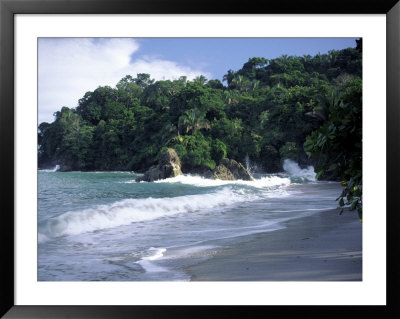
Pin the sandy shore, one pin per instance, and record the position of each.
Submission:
(322, 247)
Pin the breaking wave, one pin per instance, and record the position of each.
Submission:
(130, 211)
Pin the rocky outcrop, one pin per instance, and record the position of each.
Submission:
(168, 166)
(229, 169)
(222, 172)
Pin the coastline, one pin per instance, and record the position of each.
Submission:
(325, 246)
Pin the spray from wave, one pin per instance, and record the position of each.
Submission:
(55, 169)
(298, 174)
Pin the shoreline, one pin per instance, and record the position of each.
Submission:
(325, 246)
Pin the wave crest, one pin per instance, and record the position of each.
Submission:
(129, 211)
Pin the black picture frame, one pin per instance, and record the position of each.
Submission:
(8, 8)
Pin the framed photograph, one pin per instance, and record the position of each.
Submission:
(132, 132)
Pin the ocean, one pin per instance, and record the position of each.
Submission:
(104, 226)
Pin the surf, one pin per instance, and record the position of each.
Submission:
(129, 211)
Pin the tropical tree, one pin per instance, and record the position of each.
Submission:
(231, 96)
(320, 109)
(228, 77)
(200, 79)
(337, 146)
(191, 121)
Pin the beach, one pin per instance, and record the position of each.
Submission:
(323, 247)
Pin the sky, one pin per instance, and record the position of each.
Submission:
(70, 67)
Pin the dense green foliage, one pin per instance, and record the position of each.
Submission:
(265, 111)
(338, 143)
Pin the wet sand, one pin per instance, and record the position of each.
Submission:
(321, 247)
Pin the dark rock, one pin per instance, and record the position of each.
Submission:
(169, 156)
(168, 166)
(229, 169)
(202, 171)
(65, 168)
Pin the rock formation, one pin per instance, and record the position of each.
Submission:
(168, 166)
(222, 172)
(229, 169)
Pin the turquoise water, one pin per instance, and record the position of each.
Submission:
(103, 226)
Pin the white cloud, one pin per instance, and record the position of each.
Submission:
(69, 67)
(160, 69)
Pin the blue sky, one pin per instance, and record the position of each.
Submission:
(216, 56)
(69, 67)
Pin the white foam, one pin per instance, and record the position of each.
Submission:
(294, 170)
(55, 169)
(136, 210)
(264, 182)
(129, 182)
(148, 262)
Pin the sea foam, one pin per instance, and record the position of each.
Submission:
(198, 181)
(148, 262)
